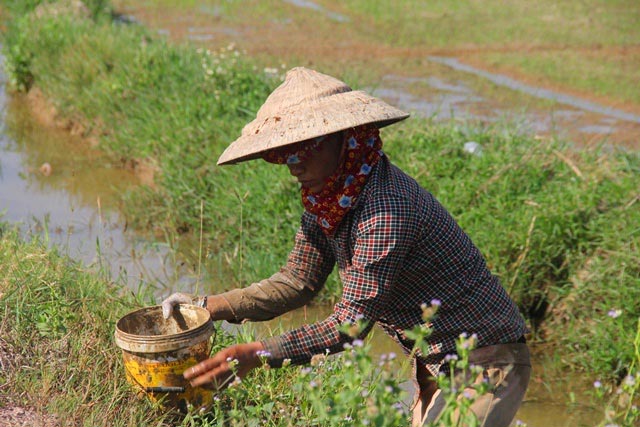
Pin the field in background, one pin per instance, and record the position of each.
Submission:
(590, 48)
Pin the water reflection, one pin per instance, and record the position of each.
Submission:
(75, 207)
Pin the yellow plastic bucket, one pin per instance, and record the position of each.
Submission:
(156, 351)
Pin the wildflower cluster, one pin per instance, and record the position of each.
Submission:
(459, 387)
(624, 396)
(353, 389)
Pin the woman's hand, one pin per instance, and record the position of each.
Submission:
(179, 298)
(223, 368)
(218, 307)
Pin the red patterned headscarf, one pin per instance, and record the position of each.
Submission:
(362, 148)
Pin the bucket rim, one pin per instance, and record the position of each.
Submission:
(185, 335)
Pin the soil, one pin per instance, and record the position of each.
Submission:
(17, 416)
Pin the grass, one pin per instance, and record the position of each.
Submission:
(587, 47)
(59, 360)
(558, 225)
(56, 345)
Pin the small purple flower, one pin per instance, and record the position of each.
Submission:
(630, 381)
(263, 353)
(436, 302)
(358, 343)
(613, 313)
(313, 384)
(450, 357)
(597, 384)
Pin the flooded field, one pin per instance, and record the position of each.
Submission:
(427, 82)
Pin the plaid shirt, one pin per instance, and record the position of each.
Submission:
(397, 249)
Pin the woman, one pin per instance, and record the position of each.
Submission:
(395, 246)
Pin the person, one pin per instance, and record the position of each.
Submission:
(395, 246)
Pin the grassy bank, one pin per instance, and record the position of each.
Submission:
(56, 349)
(587, 47)
(60, 366)
(559, 226)
(59, 363)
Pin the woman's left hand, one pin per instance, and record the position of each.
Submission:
(222, 369)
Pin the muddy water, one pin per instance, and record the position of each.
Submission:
(54, 187)
(74, 201)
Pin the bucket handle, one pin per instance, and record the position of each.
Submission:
(164, 389)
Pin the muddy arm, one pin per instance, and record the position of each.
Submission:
(262, 300)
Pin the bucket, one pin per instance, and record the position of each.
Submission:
(156, 351)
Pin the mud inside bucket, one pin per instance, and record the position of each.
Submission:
(156, 351)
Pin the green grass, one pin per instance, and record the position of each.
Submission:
(553, 222)
(60, 361)
(58, 321)
(613, 76)
(578, 46)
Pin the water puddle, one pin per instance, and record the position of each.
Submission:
(537, 92)
(317, 8)
(53, 186)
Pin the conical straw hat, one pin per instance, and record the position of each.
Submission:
(308, 104)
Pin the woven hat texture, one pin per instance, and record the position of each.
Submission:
(308, 104)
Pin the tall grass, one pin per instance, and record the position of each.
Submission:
(557, 224)
(56, 348)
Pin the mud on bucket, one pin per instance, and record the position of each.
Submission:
(156, 351)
